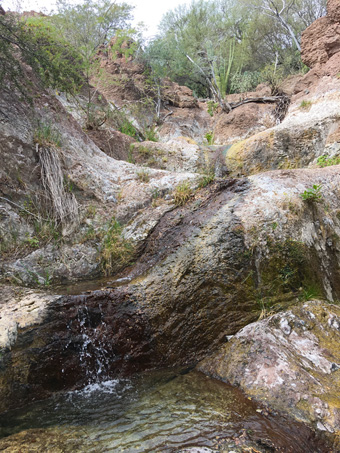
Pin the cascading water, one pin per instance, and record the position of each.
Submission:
(94, 357)
(89, 336)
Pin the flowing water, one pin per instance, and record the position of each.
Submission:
(162, 411)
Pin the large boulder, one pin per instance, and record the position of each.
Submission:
(290, 361)
(208, 268)
(306, 133)
(321, 40)
(333, 10)
(177, 96)
(34, 250)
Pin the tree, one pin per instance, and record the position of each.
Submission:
(279, 10)
(91, 24)
(211, 43)
(53, 60)
(87, 27)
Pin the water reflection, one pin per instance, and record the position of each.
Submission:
(159, 411)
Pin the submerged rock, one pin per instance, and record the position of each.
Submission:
(290, 361)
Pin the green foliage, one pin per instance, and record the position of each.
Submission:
(127, 128)
(150, 134)
(182, 193)
(35, 42)
(305, 105)
(273, 76)
(90, 24)
(231, 44)
(32, 241)
(246, 81)
(116, 251)
(209, 136)
(310, 292)
(206, 180)
(313, 194)
(124, 43)
(131, 158)
(45, 134)
(326, 161)
(212, 107)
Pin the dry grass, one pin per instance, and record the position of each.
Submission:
(64, 204)
(182, 193)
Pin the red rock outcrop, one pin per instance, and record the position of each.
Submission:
(320, 42)
(178, 96)
(333, 10)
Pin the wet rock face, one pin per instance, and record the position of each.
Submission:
(290, 361)
(201, 274)
(68, 342)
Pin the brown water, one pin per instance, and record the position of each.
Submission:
(163, 411)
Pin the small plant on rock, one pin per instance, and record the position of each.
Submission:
(326, 161)
(117, 252)
(313, 194)
(206, 180)
(209, 136)
(46, 135)
(150, 134)
(143, 175)
(305, 105)
(182, 193)
(212, 107)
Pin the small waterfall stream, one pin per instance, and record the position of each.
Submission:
(94, 356)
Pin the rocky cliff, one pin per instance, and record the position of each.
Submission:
(203, 240)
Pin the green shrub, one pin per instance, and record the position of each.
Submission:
(150, 134)
(326, 161)
(209, 136)
(127, 128)
(246, 81)
(313, 194)
(116, 251)
(35, 42)
(212, 107)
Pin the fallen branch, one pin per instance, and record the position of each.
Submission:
(262, 100)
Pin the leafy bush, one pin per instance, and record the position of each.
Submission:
(35, 42)
(209, 136)
(313, 194)
(127, 128)
(326, 161)
(242, 82)
(212, 107)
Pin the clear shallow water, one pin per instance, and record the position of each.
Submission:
(159, 411)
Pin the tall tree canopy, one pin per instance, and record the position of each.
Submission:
(219, 45)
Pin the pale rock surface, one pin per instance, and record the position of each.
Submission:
(290, 361)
